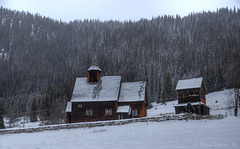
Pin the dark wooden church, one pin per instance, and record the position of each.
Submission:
(99, 98)
(191, 97)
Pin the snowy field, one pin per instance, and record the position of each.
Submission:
(191, 134)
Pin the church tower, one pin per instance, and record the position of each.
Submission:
(94, 72)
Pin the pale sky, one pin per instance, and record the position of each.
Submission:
(115, 9)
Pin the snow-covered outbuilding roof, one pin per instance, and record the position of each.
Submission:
(189, 83)
(132, 91)
(124, 109)
(69, 107)
(106, 89)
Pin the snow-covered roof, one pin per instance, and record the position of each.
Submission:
(106, 89)
(94, 68)
(192, 103)
(189, 83)
(132, 91)
(124, 109)
(69, 107)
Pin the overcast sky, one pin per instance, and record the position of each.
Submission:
(115, 9)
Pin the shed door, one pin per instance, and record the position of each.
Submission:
(120, 116)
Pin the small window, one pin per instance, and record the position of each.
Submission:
(134, 112)
(79, 105)
(108, 111)
(181, 94)
(89, 112)
(191, 92)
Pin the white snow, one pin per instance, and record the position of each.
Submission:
(132, 91)
(21, 122)
(159, 109)
(106, 89)
(191, 134)
(69, 107)
(189, 83)
(219, 102)
(94, 68)
(124, 109)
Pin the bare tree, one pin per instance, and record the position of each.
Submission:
(1, 118)
(230, 102)
(236, 98)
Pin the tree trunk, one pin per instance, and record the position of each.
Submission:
(1, 119)
(236, 101)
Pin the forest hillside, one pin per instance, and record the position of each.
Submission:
(40, 58)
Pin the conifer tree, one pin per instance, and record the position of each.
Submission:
(167, 91)
(219, 79)
(33, 115)
(1, 118)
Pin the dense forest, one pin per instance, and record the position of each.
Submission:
(40, 58)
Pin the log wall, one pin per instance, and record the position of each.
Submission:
(79, 112)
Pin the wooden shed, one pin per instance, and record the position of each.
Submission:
(191, 97)
(124, 112)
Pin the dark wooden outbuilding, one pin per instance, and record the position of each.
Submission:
(191, 97)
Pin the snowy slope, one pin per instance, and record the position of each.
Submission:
(220, 134)
(219, 101)
(159, 109)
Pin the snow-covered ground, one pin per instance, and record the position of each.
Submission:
(158, 108)
(21, 123)
(219, 102)
(191, 134)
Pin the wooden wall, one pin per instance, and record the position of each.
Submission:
(191, 95)
(199, 110)
(69, 117)
(79, 114)
(123, 115)
(189, 99)
(139, 105)
(94, 76)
